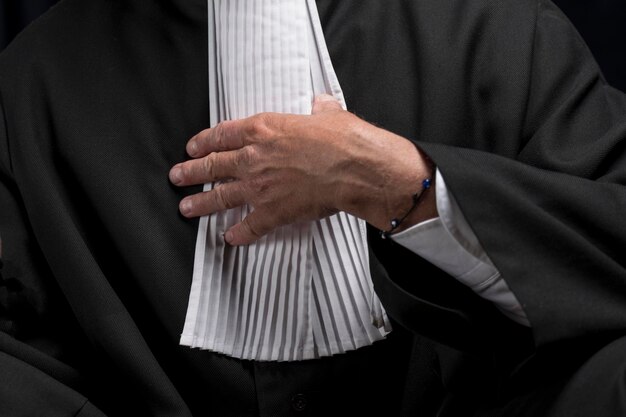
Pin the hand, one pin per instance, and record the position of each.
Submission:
(295, 168)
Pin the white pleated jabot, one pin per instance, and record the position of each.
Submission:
(303, 291)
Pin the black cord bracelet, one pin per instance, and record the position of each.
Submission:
(395, 223)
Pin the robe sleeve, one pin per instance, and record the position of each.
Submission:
(35, 380)
(549, 207)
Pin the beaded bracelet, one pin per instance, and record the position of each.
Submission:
(395, 223)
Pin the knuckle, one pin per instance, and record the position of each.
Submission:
(245, 157)
(260, 186)
(259, 125)
(220, 135)
(221, 198)
(208, 165)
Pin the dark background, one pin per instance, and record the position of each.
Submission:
(602, 23)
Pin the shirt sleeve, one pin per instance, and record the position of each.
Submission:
(449, 243)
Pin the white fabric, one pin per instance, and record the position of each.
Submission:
(303, 291)
(449, 243)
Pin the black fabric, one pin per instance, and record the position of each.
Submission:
(98, 98)
(509, 103)
(600, 22)
(17, 14)
(340, 385)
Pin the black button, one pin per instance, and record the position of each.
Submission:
(299, 402)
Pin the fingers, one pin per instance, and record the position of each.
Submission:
(224, 196)
(231, 135)
(252, 227)
(225, 136)
(213, 167)
(324, 103)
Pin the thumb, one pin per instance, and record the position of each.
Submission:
(324, 103)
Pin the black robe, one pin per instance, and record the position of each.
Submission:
(97, 100)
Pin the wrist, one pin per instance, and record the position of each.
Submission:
(424, 209)
(415, 213)
(382, 181)
(406, 198)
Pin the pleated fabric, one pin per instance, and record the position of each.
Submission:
(303, 291)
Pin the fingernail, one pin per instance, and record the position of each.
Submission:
(228, 237)
(192, 148)
(186, 206)
(176, 175)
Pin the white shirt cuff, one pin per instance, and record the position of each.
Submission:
(449, 243)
